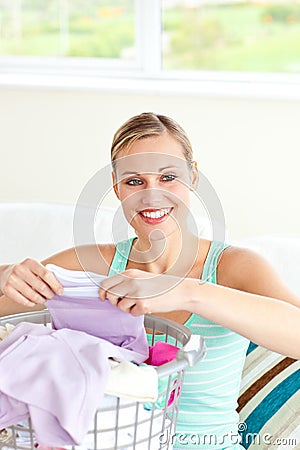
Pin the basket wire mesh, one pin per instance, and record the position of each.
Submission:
(122, 423)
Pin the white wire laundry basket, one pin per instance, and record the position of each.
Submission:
(123, 424)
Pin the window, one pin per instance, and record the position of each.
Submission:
(232, 35)
(151, 38)
(69, 29)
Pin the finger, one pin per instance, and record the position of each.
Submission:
(18, 285)
(114, 299)
(135, 307)
(22, 273)
(116, 295)
(29, 293)
(102, 293)
(109, 282)
(110, 286)
(39, 286)
(126, 304)
(17, 297)
(140, 309)
(46, 275)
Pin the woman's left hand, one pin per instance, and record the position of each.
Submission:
(139, 292)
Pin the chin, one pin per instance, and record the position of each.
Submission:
(155, 235)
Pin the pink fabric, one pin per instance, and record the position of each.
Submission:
(161, 353)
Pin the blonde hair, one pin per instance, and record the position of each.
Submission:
(147, 125)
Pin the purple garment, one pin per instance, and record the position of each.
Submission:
(79, 308)
(56, 377)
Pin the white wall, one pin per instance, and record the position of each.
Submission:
(53, 141)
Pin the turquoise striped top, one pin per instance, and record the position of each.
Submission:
(207, 417)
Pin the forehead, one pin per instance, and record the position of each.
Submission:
(163, 143)
(151, 154)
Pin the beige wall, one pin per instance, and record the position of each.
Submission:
(53, 141)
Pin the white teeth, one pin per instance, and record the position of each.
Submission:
(156, 214)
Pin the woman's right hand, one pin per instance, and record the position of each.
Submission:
(29, 283)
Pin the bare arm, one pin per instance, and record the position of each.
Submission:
(258, 306)
(27, 285)
(269, 314)
(248, 271)
(270, 322)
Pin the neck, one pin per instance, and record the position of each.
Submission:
(174, 254)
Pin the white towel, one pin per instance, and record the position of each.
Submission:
(5, 330)
(126, 379)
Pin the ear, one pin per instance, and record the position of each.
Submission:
(115, 185)
(194, 176)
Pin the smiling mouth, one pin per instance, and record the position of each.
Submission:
(155, 215)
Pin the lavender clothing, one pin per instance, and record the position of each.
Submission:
(80, 308)
(56, 377)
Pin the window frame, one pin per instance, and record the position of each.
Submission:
(145, 74)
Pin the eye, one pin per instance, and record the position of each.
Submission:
(134, 182)
(169, 177)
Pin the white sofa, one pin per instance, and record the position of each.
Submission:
(41, 229)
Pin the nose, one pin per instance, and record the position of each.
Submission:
(152, 197)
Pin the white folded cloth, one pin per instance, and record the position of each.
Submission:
(5, 330)
(126, 379)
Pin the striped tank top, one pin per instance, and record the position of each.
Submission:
(207, 417)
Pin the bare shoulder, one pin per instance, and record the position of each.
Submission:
(91, 258)
(246, 270)
(233, 264)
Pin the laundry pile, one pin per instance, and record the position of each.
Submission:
(58, 376)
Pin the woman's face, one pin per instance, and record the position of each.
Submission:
(153, 182)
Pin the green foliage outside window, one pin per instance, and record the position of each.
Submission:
(261, 37)
(240, 37)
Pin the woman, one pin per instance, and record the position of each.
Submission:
(159, 272)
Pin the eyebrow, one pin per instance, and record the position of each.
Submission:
(159, 170)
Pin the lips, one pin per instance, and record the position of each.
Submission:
(154, 216)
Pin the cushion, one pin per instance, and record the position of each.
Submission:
(269, 402)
